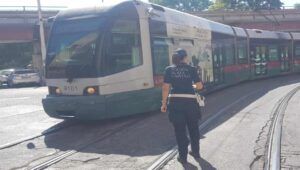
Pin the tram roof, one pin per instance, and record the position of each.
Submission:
(264, 34)
(173, 16)
(240, 32)
(188, 19)
(88, 12)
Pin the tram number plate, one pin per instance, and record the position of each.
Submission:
(70, 89)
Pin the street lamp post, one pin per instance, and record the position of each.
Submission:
(43, 43)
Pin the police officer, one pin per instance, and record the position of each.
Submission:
(180, 82)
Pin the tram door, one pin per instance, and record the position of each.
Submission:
(259, 59)
(160, 53)
(218, 64)
(284, 59)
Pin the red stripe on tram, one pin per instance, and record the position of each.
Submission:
(273, 64)
(297, 61)
(232, 68)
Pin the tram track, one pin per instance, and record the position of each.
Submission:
(169, 155)
(273, 153)
(42, 163)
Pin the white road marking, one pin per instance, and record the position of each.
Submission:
(18, 110)
(17, 98)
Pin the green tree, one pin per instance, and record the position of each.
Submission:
(17, 55)
(264, 4)
(297, 6)
(246, 4)
(218, 5)
(184, 5)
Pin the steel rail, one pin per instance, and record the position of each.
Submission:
(273, 159)
(81, 147)
(169, 155)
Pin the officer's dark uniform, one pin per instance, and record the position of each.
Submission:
(184, 112)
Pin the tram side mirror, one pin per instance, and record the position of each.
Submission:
(151, 13)
(50, 19)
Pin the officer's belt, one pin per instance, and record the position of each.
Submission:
(183, 95)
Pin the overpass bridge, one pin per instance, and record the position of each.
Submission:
(19, 29)
(273, 20)
(17, 24)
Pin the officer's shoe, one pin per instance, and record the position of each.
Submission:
(182, 161)
(195, 155)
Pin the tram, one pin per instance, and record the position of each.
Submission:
(107, 62)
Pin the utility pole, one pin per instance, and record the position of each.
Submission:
(43, 43)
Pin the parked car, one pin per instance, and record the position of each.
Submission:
(4, 76)
(23, 76)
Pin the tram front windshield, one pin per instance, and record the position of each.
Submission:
(72, 48)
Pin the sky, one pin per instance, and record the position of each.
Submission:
(82, 3)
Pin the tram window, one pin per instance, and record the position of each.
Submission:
(226, 43)
(158, 28)
(273, 53)
(160, 55)
(241, 46)
(229, 54)
(297, 50)
(242, 52)
(186, 42)
(123, 47)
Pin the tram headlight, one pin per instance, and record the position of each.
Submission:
(58, 91)
(54, 90)
(91, 90)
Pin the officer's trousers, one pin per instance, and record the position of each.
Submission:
(185, 115)
(182, 139)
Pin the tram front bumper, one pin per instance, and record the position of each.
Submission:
(78, 107)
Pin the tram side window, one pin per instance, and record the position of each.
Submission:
(123, 47)
(229, 54)
(225, 43)
(273, 53)
(242, 52)
(160, 49)
(297, 50)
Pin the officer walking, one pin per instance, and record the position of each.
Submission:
(180, 82)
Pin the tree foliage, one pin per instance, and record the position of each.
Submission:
(185, 5)
(200, 5)
(218, 5)
(297, 6)
(247, 4)
(15, 55)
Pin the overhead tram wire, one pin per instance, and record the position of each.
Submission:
(267, 18)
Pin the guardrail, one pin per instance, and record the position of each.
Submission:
(31, 8)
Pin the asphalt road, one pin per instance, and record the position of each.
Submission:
(22, 114)
(235, 140)
(238, 139)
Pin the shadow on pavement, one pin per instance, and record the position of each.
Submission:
(205, 165)
(154, 135)
(189, 166)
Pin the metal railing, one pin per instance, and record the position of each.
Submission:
(31, 8)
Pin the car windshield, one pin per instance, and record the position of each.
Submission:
(72, 48)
